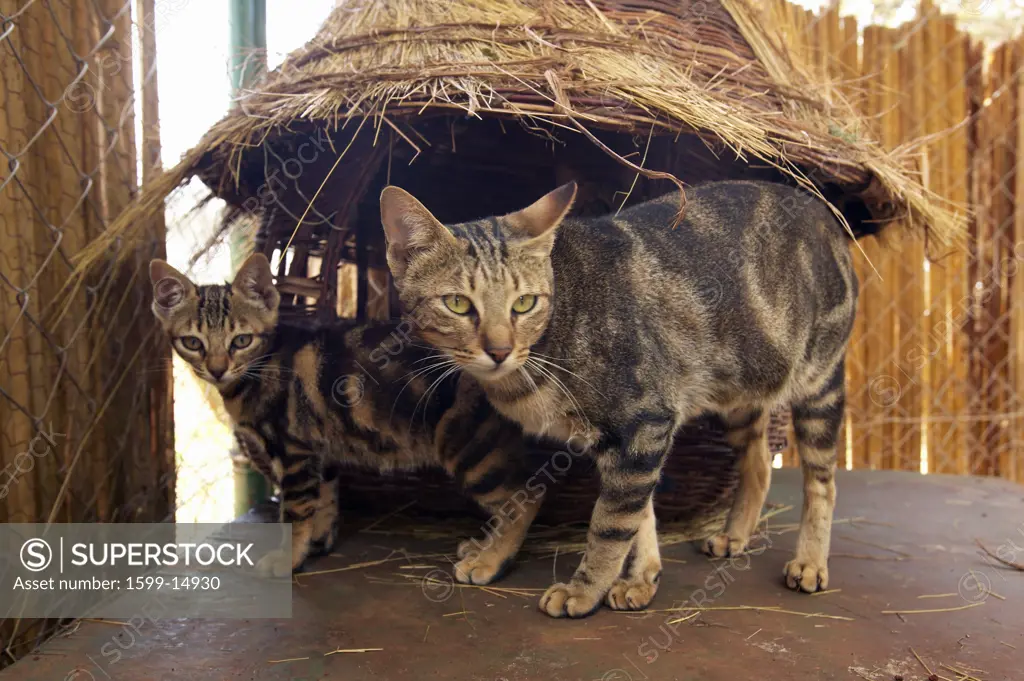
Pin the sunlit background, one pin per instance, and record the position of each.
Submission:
(194, 63)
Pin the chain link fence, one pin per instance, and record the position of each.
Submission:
(85, 423)
(935, 373)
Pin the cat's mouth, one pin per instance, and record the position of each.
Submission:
(221, 382)
(485, 368)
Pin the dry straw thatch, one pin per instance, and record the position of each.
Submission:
(718, 71)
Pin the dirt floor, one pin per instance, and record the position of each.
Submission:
(902, 543)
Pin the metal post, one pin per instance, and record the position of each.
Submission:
(248, 25)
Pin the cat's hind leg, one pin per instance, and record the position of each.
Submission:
(326, 518)
(816, 423)
(485, 560)
(498, 485)
(747, 433)
(298, 472)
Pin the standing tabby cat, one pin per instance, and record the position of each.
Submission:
(623, 328)
(355, 393)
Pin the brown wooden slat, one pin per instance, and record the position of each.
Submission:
(908, 264)
(977, 184)
(985, 458)
(959, 289)
(853, 438)
(833, 41)
(935, 80)
(877, 369)
(998, 353)
(1017, 287)
(161, 472)
(887, 321)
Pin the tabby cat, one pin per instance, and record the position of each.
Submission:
(615, 331)
(304, 400)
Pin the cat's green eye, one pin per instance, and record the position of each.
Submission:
(241, 341)
(191, 343)
(458, 304)
(524, 304)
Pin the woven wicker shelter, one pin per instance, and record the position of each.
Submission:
(480, 106)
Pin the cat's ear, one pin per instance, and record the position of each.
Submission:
(255, 282)
(170, 287)
(409, 227)
(539, 221)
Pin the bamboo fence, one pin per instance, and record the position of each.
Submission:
(935, 370)
(85, 421)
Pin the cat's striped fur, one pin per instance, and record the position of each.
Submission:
(303, 401)
(621, 329)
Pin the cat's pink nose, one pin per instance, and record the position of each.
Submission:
(498, 354)
(217, 373)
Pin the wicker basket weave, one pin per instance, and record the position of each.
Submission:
(695, 492)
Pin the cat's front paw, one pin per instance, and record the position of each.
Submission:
(481, 568)
(276, 563)
(466, 547)
(806, 574)
(632, 594)
(724, 546)
(570, 600)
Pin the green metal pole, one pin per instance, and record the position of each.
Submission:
(248, 63)
(248, 42)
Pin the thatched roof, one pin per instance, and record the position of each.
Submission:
(718, 70)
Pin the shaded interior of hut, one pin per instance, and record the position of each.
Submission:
(347, 496)
(464, 167)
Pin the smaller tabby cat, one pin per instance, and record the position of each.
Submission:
(303, 401)
(616, 331)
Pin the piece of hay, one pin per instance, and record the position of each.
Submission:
(927, 669)
(1007, 563)
(290, 659)
(771, 609)
(366, 564)
(387, 516)
(341, 651)
(921, 612)
(685, 619)
(961, 675)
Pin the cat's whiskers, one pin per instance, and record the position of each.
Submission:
(539, 368)
(444, 360)
(426, 395)
(537, 354)
(268, 364)
(447, 362)
(536, 406)
(427, 358)
(562, 368)
(265, 369)
(430, 347)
